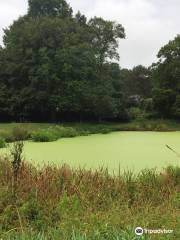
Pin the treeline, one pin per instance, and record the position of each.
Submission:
(166, 77)
(56, 65)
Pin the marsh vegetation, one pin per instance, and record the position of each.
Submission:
(63, 203)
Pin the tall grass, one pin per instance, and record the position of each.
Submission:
(2, 143)
(77, 236)
(62, 203)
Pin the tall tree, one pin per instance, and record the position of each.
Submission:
(137, 81)
(166, 75)
(56, 65)
(53, 8)
(105, 38)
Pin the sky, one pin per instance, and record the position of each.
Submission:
(149, 24)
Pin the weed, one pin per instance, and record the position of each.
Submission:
(43, 136)
(61, 203)
(16, 152)
(2, 143)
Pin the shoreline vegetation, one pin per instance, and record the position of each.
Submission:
(47, 132)
(62, 203)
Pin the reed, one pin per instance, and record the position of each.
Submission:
(57, 202)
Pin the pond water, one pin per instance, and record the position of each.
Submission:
(124, 150)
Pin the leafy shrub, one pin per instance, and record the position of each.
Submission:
(135, 113)
(2, 143)
(54, 133)
(163, 102)
(7, 136)
(43, 136)
(65, 132)
(161, 127)
(147, 105)
(177, 107)
(19, 133)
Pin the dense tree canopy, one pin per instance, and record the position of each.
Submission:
(166, 75)
(53, 8)
(56, 66)
(137, 81)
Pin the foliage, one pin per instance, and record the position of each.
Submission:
(137, 82)
(59, 66)
(43, 136)
(16, 153)
(136, 113)
(163, 101)
(61, 203)
(65, 132)
(147, 105)
(20, 133)
(2, 143)
(166, 80)
(53, 133)
(177, 107)
(56, 66)
(54, 8)
(76, 235)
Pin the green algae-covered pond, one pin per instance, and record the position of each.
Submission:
(127, 150)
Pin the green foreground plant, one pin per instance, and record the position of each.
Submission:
(61, 203)
(2, 142)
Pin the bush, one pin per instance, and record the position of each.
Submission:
(2, 143)
(147, 105)
(54, 133)
(163, 102)
(161, 127)
(44, 136)
(105, 130)
(7, 136)
(136, 113)
(65, 132)
(19, 133)
(177, 107)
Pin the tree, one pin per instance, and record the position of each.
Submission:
(56, 65)
(177, 107)
(137, 81)
(53, 8)
(4, 93)
(105, 38)
(163, 101)
(80, 18)
(166, 76)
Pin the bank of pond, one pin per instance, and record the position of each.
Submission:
(117, 151)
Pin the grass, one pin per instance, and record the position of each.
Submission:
(77, 236)
(2, 143)
(62, 203)
(50, 132)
